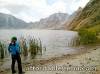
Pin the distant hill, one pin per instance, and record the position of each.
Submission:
(88, 18)
(9, 21)
(54, 21)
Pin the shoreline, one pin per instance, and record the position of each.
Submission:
(80, 51)
(55, 60)
(89, 58)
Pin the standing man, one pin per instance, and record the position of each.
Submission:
(14, 49)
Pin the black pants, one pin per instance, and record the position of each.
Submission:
(18, 59)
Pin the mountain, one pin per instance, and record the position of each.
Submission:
(54, 21)
(88, 18)
(8, 22)
(72, 17)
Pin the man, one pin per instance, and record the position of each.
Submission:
(14, 49)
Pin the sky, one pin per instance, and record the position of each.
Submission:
(34, 10)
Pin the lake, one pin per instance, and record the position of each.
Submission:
(57, 42)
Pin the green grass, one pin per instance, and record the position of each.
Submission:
(90, 35)
(95, 28)
(2, 50)
(35, 47)
(31, 46)
(23, 46)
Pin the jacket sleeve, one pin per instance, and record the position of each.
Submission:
(9, 49)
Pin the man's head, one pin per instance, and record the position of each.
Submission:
(13, 39)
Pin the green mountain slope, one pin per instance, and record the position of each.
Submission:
(89, 17)
(88, 23)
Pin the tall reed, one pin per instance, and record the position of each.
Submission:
(35, 47)
(2, 51)
(31, 46)
(24, 47)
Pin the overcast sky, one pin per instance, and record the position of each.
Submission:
(34, 10)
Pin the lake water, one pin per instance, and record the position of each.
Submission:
(57, 42)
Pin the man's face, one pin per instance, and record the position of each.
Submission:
(14, 41)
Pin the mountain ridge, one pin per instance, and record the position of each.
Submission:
(9, 21)
(54, 21)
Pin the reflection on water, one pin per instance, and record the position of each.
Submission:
(56, 41)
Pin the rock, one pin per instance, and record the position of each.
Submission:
(90, 59)
(95, 49)
(70, 65)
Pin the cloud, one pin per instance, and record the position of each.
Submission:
(33, 10)
(58, 6)
(4, 10)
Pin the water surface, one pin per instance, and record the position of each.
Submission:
(57, 42)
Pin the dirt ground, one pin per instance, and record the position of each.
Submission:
(83, 63)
